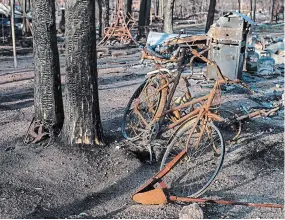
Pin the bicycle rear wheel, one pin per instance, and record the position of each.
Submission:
(150, 103)
(194, 173)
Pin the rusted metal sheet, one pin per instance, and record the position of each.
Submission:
(159, 38)
(226, 34)
(191, 39)
(152, 197)
(164, 47)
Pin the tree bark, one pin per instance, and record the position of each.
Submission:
(211, 15)
(168, 16)
(82, 125)
(48, 96)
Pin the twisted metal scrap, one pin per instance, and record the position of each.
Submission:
(37, 131)
(120, 27)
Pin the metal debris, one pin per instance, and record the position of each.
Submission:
(120, 29)
(251, 59)
(266, 63)
(227, 42)
(37, 131)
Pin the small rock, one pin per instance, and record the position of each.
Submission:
(278, 86)
(118, 147)
(192, 211)
(83, 214)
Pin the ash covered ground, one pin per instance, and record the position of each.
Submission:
(56, 181)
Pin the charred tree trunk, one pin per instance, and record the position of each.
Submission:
(144, 16)
(106, 13)
(211, 15)
(129, 7)
(239, 6)
(168, 16)
(82, 123)
(147, 13)
(254, 9)
(272, 11)
(48, 96)
(24, 8)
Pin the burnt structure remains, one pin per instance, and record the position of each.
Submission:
(227, 42)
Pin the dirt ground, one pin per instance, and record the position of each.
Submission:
(57, 181)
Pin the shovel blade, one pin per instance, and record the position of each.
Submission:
(151, 197)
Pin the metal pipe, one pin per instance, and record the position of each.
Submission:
(12, 3)
(225, 202)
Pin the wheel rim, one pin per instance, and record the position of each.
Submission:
(146, 99)
(195, 171)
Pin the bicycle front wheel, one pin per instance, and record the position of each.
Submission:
(197, 169)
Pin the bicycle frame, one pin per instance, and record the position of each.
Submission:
(199, 112)
(202, 113)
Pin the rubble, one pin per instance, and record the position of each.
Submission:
(270, 53)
